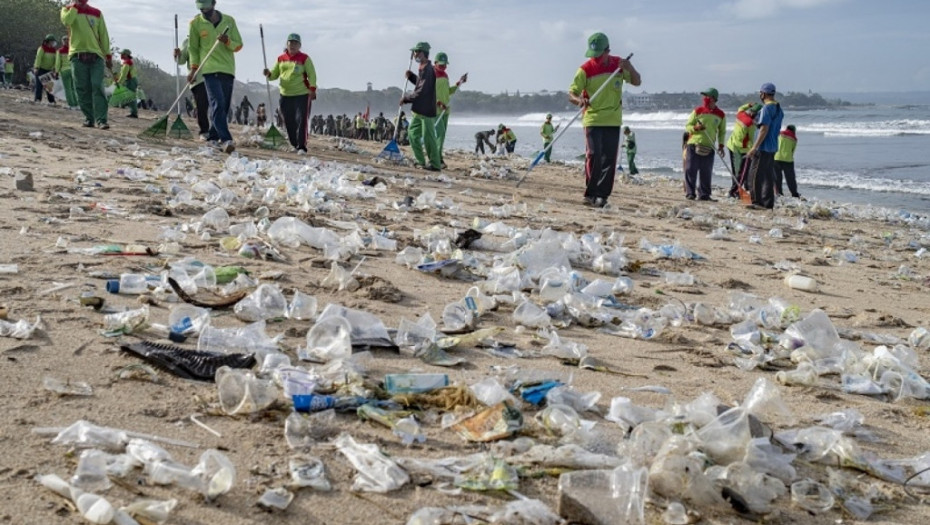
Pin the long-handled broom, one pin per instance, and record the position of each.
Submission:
(160, 127)
(178, 129)
(273, 138)
(542, 153)
(392, 150)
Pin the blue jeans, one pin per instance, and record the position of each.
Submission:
(219, 91)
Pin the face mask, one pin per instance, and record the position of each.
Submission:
(707, 101)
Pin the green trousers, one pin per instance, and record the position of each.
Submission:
(630, 161)
(442, 124)
(132, 85)
(422, 132)
(88, 84)
(548, 155)
(67, 80)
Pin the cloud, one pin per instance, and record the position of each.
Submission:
(753, 9)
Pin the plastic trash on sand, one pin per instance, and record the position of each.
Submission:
(490, 392)
(304, 430)
(151, 511)
(266, 302)
(216, 473)
(491, 424)
(308, 471)
(811, 496)
(367, 329)
(91, 472)
(277, 498)
(302, 307)
(82, 434)
(240, 392)
(530, 315)
(328, 340)
(491, 474)
(67, 388)
(375, 472)
(603, 497)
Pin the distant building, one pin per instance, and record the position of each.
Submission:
(638, 101)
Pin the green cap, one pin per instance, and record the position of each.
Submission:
(792, 128)
(125, 52)
(548, 116)
(711, 92)
(597, 44)
(203, 4)
(293, 37)
(50, 37)
(421, 46)
(500, 127)
(755, 108)
(442, 58)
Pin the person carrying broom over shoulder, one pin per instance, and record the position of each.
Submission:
(298, 89)
(603, 115)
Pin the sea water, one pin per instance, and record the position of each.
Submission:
(869, 154)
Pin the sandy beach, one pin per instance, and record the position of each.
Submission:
(84, 196)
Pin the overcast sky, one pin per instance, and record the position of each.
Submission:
(679, 45)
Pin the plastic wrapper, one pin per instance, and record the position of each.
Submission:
(375, 472)
(811, 496)
(151, 511)
(302, 307)
(308, 471)
(328, 340)
(304, 431)
(266, 302)
(278, 498)
(494, 423)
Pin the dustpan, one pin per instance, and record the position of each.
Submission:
(392, 151)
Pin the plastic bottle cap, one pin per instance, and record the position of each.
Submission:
(113, 286)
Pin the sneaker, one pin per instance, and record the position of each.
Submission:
(689, 197)
(132, 116)
(103, 125)
(588, 201)
(444, 165)
(301, 151)
(599, 202)
(203, 137)
(88, 124)
(754, 207)
(432, 168)
(228, 147)
(707, 198)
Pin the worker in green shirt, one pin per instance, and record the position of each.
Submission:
(506, 140)
(219, 73)
(547, 132)
(602, 115)
(89, 53)
(130, 80)
(629, 142)
(444, 93)
(8, 68)
(741, 139)
(784, 161)
(63, 69)
(44, 64)
(706, 125)
(298, 89)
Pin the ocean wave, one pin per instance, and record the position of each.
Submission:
(854, 181)
(881, 128)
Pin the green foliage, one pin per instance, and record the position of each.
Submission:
(25, 23)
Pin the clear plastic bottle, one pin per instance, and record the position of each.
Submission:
(129, 284)
(800, 282)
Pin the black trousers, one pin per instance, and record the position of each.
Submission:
(203, 107)
(741, 171)
(786, 170)
(762, 179)
(699, 170)
(296, 111)
(600, 167)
